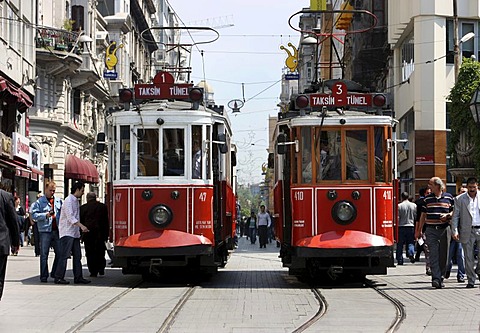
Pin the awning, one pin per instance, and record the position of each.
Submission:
(21, 97)
(76, 168)
(35, 173)
(19, 170)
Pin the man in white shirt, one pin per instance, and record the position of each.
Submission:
(466, 226)
(263, 223)
(69, 231)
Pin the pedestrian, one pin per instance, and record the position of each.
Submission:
(46, 214)
(9, 234)
(252, 226)
(406, 228)
(420, 241)
(69, 230)
(466, 227)
(455, 253)
(20, 211)
(437, 210)
(35, 237)
(94, 216)
(263, 223)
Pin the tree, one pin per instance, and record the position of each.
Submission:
(461, 119)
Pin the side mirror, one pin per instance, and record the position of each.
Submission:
(100, 142)
(281, 146)
(234, 158)
(271, 161)
(222, 146)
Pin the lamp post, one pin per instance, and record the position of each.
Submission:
(475, 106)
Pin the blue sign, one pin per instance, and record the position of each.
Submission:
(294, 76)
(110, 75)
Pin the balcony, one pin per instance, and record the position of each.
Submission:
(57, 50)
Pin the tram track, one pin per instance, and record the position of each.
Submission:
(105, 306)
(399, 307)
(167, 324)
(322, 309)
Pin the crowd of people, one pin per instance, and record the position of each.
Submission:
(444, 227)
(61, 225)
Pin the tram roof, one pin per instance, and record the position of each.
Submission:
(169, 111)
(334, 119)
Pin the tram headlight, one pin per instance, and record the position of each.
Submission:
(344, 212)
(160, 215)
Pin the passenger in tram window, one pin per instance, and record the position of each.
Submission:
(196, 160)
(306, 166)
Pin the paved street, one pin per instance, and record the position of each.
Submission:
(252, 294)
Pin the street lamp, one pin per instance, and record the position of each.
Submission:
(475, 106)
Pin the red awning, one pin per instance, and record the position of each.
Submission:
(76, 168)
(35, 173)
(20, 171)
(20, 96)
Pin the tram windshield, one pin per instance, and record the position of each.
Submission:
(173, 152)
(340, 155)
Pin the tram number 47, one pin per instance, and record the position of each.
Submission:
(202, 196)
(298, 195)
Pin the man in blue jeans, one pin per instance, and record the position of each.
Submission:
(406, 228)
(46, 214)
(69, 232)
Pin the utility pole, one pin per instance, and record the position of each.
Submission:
(456, 47)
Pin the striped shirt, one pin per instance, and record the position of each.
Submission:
(433, 207)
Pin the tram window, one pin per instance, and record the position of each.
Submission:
(356, 154)
(306, 144)
(147, 152)
(329, 161)
(379, 154)
(173, 152)
(207, 152)
(197, 152)
(124, 152)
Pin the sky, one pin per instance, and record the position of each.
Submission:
(245, 63)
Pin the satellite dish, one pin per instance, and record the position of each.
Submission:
(235, 105)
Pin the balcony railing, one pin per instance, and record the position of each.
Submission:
(57, 39)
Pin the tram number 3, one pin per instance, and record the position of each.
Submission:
(202, 196)
(298, 195)
(387, 195)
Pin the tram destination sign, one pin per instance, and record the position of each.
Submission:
(351, 99)
(162, 91)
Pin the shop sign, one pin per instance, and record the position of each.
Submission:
(21, 146)
(34, 159)
(6, 146)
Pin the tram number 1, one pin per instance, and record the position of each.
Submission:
(387, 195)
(298, 195)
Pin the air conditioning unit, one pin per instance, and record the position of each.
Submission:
(101, 37)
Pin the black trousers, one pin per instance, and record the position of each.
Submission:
(262, 234)
(95, 253)
(3, 269)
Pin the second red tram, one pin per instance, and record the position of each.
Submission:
(333, 194)
(171, 186)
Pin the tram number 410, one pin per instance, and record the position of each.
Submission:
(298, 195)
(387, 195)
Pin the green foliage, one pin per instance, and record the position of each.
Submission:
(461, 118)
(246, 200)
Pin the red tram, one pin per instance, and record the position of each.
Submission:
(333, 194)
(171, 186)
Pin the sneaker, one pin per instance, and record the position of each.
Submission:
(437, 284)
(61, 281)
(469, 285)
(460, 280)
(412, 259)
(44, 280)
(82, 281)
(447, 274)
(428, 272)
(400, 263)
